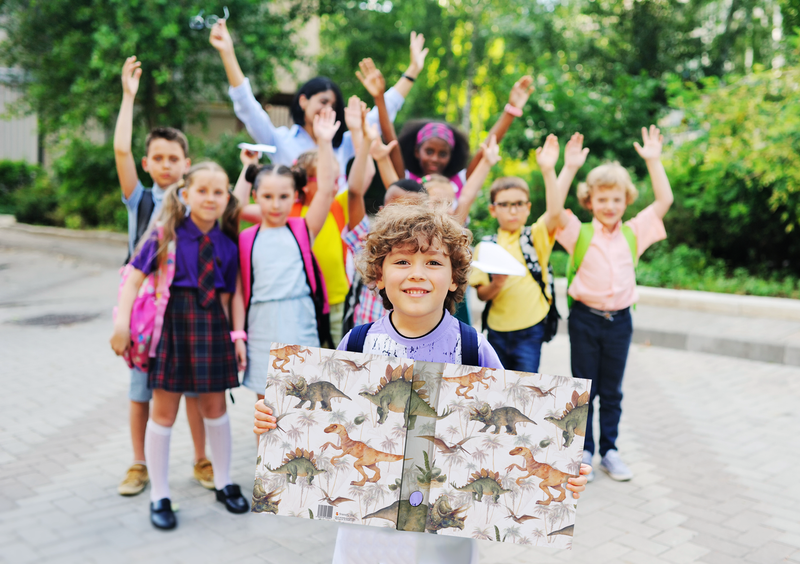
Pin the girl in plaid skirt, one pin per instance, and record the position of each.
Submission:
(195, 352)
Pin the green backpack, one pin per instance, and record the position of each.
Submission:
(582, 245)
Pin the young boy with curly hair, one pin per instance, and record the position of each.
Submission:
(603, 285)
(418, 257)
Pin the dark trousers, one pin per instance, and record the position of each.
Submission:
(599, 351)
(519, 350)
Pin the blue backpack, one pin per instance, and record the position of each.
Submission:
(469, 342)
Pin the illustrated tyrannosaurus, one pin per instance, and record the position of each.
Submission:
(283, 354)
(549, 476)
(365, 455)
(467, 381)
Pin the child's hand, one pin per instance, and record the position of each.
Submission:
(499, 280)
(371, 78)
(264, 421)
(249, 157)
(380, 151)
(578, 484)
(241, 354)
(418, 54)
(521, 91)
(653, 142)
(120, 339)
(491, 150)
(547, 156)
(131, 73)
(220, 38)
(325, 125)
(574, 152)
(352, 114)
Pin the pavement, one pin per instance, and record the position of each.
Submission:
(712, 439)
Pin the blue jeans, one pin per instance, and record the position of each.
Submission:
(519, 350)
(599, 351)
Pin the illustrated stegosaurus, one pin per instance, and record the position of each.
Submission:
(299, 462)
(485, 482)
(573, 421)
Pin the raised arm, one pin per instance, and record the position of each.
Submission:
(380, 153)
(242, 188)
(418, 53)
(517, 99)
(491, 156)
(547, 156)
(126, 165)
(574, 158)
(651, 153)
(325, 127)
(222, 41)
(372, 79)
(356, 185)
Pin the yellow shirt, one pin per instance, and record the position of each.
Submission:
(327, 248)
(520, 303)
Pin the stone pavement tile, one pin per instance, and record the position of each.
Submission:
(757, 536)
(770, 552)
(66, 547)
(685, 553)
(783, 525)
(713, 529)
(598, 535)
(644, 545)
(666, 520)
(703, 513)
(631, 527)
(636, 557)
(725, 546)
(790, 538)
(17, 552)
(720, 558)
(674, 536)
(608, 552)
(659, 505)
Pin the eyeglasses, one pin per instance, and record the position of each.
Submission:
(513, 205)
(197, 23)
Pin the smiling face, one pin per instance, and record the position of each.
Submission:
(207, 196)
(433, 155)
(511, 208)
(417, 283)
(275, 196)
(165, 162)
(313, 105)
(608, 204)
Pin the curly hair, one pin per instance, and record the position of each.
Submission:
(417, 226)
(407, 140)
(608, 175)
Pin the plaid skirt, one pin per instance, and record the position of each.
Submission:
(195, 353)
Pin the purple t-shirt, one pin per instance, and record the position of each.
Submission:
(443, 344)
(187, 236)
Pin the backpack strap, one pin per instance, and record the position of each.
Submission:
(485, 314)
(355, 343)
(576, 258)
(247, 240)
(144, 212)
(299, 228)
(630, 237)
(469, 345)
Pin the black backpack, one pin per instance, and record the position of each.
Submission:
(144, 211)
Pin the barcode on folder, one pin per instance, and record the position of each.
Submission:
(325, 512)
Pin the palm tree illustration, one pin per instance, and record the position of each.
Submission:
(543, 511)
(536, 534)
(492, 442)
(460, 406)
(516, 391)
(277, 382)
(294, 434)
(306, 419)
(479, 456)
(513, 532)
(483, 534)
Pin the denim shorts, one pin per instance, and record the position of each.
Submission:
(139, 392)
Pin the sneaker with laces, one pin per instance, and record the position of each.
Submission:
(135, 480)
(616, 469)
(204, 473)
(587, 459)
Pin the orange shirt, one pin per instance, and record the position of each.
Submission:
(606, 279)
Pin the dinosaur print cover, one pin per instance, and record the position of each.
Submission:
(421, 446)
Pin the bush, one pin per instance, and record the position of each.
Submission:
(224, 152)
(15, 175)
(36, 203)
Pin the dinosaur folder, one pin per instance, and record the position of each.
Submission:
(421, 446)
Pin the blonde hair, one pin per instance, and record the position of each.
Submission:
(608, 175)
(173, 211)
(417, 225)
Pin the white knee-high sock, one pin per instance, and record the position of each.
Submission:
(156, 450)
(218, 432)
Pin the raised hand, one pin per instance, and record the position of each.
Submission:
(418, 54)
(653, 143)
(521, 91)
(574, 152)
(371, 132)
(131, 73)
(249, 157)
(220, 38)
(371, 77)
(325, 125)
(352, 114)
(380, 151)
(547, 155)
(491, 150)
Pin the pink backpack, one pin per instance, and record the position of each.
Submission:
(147, 313)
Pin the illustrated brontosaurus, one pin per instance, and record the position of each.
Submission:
(551, 478)
(365, 455)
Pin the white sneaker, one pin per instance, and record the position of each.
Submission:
(616, 469)
(587, 459)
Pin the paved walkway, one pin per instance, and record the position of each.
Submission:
(712, 439)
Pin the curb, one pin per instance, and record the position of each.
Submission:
(9, 222)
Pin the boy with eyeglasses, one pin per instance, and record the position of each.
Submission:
(517, 306)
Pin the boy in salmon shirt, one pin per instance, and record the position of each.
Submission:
(604, 285)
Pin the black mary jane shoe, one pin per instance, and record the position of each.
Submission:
(161, 514)
(231, 497)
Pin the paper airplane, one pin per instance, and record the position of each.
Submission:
(496, 260)
(260, 147)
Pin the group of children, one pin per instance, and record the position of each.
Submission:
(286, 279)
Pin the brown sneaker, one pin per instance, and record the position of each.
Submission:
(204, 473)
(135, 480)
